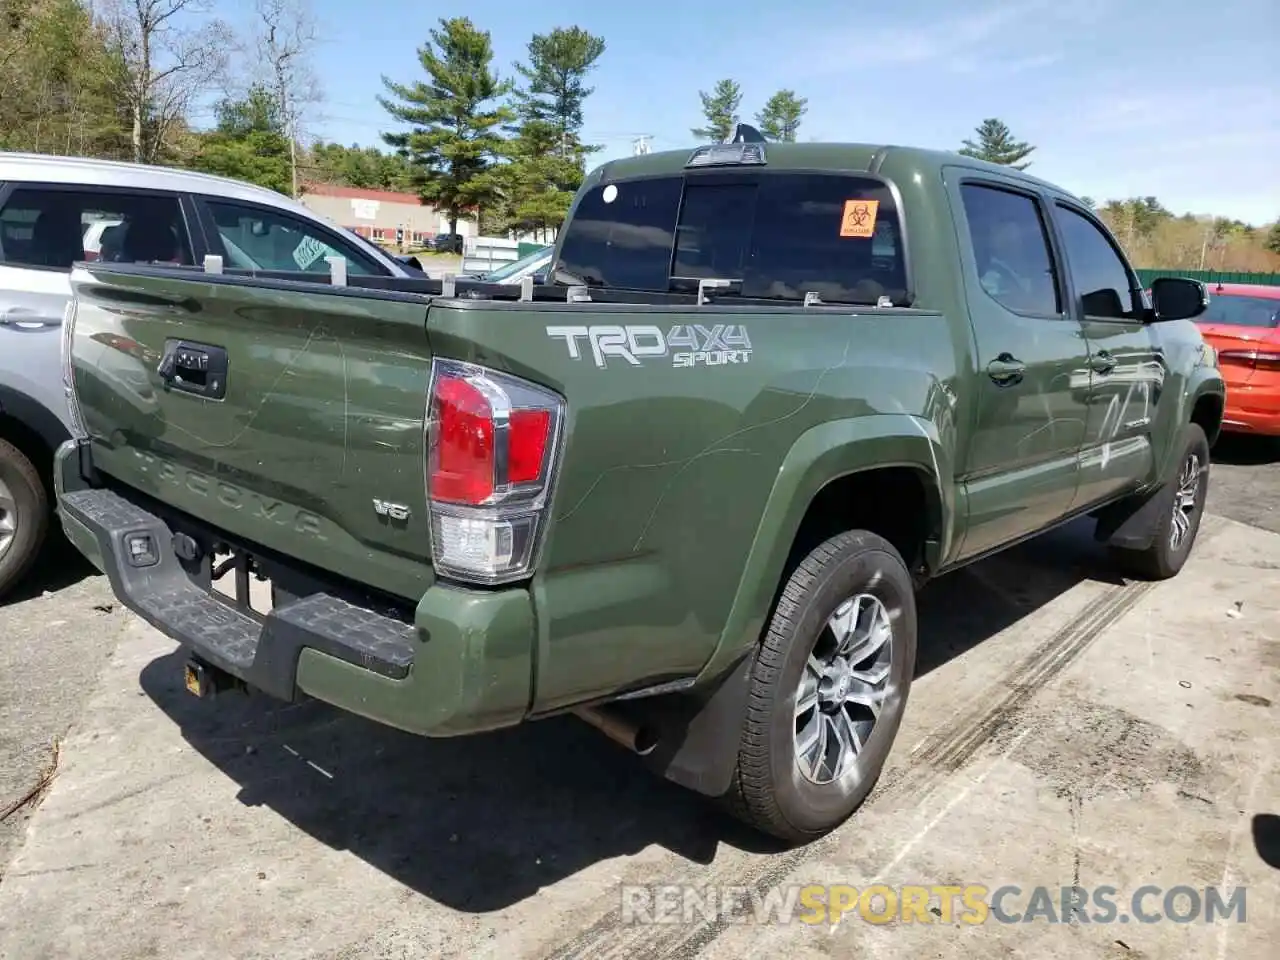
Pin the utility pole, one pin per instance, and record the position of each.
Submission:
(293, 155)
(640, 145)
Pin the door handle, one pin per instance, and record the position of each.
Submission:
(1006, 369)
(1102, 362)
(22, 318)
(195, 368)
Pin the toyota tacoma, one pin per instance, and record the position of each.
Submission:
(686, 489)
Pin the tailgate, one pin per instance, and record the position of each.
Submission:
(287, 416)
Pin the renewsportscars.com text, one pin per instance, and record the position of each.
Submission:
(932, 903)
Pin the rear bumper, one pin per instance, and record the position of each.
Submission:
(1254, 406)
(460, 662)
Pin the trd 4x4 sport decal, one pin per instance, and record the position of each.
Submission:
(687, 345)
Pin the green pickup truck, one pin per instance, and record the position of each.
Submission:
(686, 489)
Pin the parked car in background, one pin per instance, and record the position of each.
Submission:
(1242, 322)
(447, 243)
(55, 211)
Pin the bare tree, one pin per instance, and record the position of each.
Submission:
(285, 38)
(170, 52)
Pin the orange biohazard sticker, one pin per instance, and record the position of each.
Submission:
(859, 218)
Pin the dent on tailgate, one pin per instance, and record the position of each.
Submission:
(319, 420)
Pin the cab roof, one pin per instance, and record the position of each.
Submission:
(849, 157)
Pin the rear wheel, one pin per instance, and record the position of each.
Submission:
(24, 515)
(1180, 507)
(828, 687)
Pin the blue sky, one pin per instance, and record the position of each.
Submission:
(1174, 98)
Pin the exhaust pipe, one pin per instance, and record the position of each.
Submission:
(634, 737)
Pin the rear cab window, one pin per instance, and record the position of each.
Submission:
(52, 228)
(774, 235)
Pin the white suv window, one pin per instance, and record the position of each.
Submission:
(256, 238)
(43, 227)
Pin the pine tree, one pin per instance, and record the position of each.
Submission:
(720, 107)
(996, 145)
(548, 157)
(780, 118)
(455, 119)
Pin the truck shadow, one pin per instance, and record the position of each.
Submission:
(1243, 450)
(479, 823)
(60, 565)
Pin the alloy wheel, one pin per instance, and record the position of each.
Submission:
(844, 688)
(1185, 499)
(8, 519)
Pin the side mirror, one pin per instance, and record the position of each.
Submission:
(1177, 298)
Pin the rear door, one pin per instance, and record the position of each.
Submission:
(288, 416)
(1127, 368)
(44, 228)
(1032, 381)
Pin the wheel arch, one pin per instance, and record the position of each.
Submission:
(826, 464)
(33, 428)
(816, 490)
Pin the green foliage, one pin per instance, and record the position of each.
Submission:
(454, 118)
(56, 81)
(1272, 243)
(365, 167)
(996, 145)
(555, 76)
(547, 158)
(248, 142)
(720, 108)
(780, 118)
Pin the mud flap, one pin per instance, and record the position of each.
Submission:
(698, 735)
(1132, 523)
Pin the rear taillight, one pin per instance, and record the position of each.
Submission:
(492, 447)
(1254, 359)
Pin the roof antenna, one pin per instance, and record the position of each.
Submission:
(745, 133)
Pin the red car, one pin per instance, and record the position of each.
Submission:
(1242, 323)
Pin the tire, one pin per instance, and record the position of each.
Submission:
(1166, 554)
(770, 790)
(24, 515)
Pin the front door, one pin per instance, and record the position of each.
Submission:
(1032, 382)
(1126, 366)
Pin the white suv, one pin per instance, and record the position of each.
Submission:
(55, 211)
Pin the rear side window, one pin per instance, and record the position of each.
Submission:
(1011, 249)
(779, 236)
(1241, 311)
(55, 228)
(620, 235)
(257, 238)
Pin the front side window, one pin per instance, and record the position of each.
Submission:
(1102, 281)
(53, 228)
(1011, 249)
(257, 238)
(777, 235)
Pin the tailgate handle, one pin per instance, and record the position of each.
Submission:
(196, 368)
